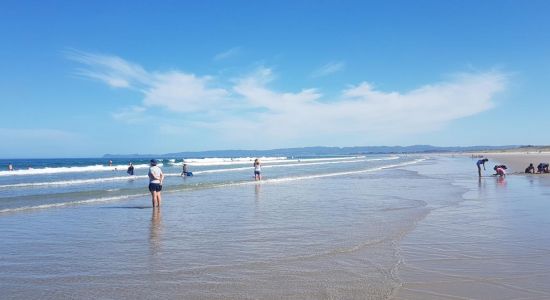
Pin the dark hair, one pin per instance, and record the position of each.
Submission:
(153, 162)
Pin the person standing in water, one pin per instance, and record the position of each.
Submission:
(257, 170)
(184, 171)
(155, 183)
(10, 167)
(479, 163)
(130, 170)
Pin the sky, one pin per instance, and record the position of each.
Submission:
(85, 78)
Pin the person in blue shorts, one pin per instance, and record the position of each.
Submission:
(185, 172)
(155, 183)
(257, 170)
(479, 163)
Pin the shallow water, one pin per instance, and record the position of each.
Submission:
(351, 235)
(61, 182)
(493, 245)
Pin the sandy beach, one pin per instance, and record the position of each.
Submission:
(515, 161)
(492, 245)
(428, 229)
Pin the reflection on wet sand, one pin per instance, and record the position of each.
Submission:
(155, 231)
(257, 192)
(501, 181)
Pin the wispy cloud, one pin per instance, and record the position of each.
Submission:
(228, 53)
(362, 111)
(252, 114)
(132, 114)
(173, 90)
(328, 69)
(113, 70)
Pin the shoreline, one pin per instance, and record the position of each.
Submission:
(429, 230)
(516, 162)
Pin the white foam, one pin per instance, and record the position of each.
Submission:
(213, 161)
(83, 169)
(304, 162)
(52, 205)
(274, 180)
(72, 182)
(306, 177)
(190, 162)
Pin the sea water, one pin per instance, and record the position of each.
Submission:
(330, 230)
(58, 182)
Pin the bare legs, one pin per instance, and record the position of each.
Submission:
(155, 198)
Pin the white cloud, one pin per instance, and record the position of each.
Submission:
(329, 68)
(228, 53)
(113, 70)
(253, 89)
(132, 114)
(180, 92)
(253, 115)
(175, 91)
(362, 112)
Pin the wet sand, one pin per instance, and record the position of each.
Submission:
(493, 245)
(428, 231)
(516, 161)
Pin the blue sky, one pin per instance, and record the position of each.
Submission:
(87, 78)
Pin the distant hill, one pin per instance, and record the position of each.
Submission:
(319, 151)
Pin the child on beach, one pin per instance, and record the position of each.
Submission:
(542, 168)
(257, 170)
(479, 163)
(155, 182)
(500, 170)
(530, 169)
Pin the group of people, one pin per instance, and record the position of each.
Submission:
(156, 177)
(12, 168)
(541, 168)
(500, 170)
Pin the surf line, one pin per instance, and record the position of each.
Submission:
(274, 180)
(306, 177)
(290, 165)
(126, 178)
(61, 204)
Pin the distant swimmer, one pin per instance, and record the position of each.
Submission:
(110, 163)
(185, 172)
(530, 169)
(10, 167)
(155, 182)
(130, 170)
(479, 163)
(257, 170)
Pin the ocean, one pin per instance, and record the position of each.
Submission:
(361, 227)
(44, 183)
